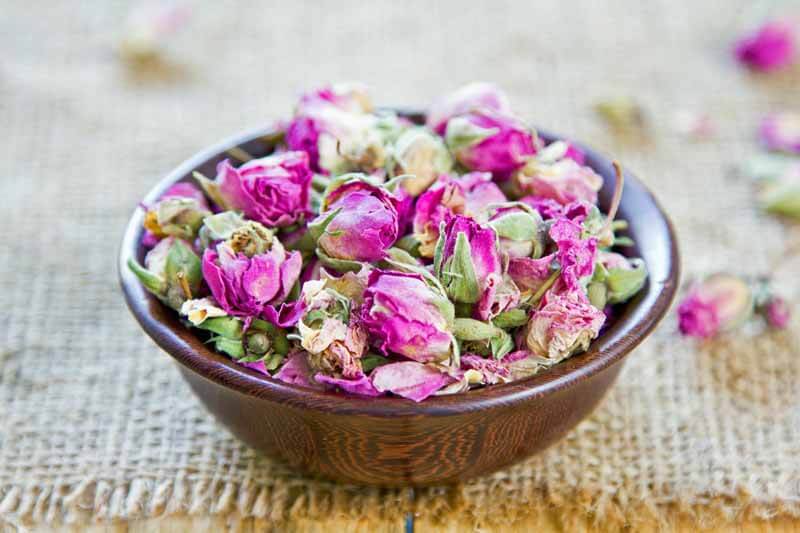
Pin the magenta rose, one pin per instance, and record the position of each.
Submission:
(468, 98)
(253, 286)
(470, 195)
(406, 316)
(491, 142)
(273, 190)
(366, 225)
(471, 270)
(715, 304)
(575, 254)
(772, 47)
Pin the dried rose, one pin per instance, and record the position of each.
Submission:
(771, 47)
(273, 190)
(409, 379)
(408, 317)
(296, 371)
(530, 274)
(171, 271)
(470, 97)
(422, 155)
(359, 221)
(565, 323)
(352, 97)
(490, 142)
(341, 139)
(334, 341)
(718, 303)
(516, 365)
(468, 264)
(178, 213)
(563, 180)
(520, 229)
(777, 312)
(251, 272)
(781, 132)
(470, 195)
(575, 254)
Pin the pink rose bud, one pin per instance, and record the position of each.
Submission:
(408, 317)
(565, 323)
(273, 190)
(251, 273)
(178, 213)
(781, 132)
(468, 264)
(576, 254)
(360, 222)
(490, 142)
(719, 303)
(468, 98)
(777, 312)
(771, 47)
(351, 97)
(555, 175)
(469, 195)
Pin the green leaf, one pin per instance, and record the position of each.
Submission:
(224, 326)
(501, 345)
(232, 347)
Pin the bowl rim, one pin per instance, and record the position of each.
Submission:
(642, 315)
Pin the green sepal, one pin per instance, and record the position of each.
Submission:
(340, 265)
(510, 319)
(622, 283)
(181, 259)
(151, 282)
(211, 188)
(224, 326)
(409, 244)
(458, 273)
(232, 347)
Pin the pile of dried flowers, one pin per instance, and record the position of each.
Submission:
(372, 255)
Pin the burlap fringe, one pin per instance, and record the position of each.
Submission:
(103, 501)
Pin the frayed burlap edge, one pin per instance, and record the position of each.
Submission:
(104, 501)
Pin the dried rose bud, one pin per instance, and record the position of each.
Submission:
(718, 303)
(781, 194)
(422, 155)
(562, 180)
(469, 195)
(777, 312)
(334, 342)
(520, 229)
(565, 323)
(178, 213)
(576, 254)
(352, 97)
(516, 365)
(470, 97)
(781, 132)
(468, 263)
(273, 190)
(359, 221)
(171, 272)
(771, 47)
(246, 285)
(408, 317)
(490, 142)
(339, 136)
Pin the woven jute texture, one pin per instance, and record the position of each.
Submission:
(95, 422)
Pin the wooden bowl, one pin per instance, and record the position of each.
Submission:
(393, 441)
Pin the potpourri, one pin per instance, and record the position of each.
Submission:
(373, 256)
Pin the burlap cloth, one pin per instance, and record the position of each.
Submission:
(95, 422)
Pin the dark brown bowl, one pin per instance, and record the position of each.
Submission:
(393, 441)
